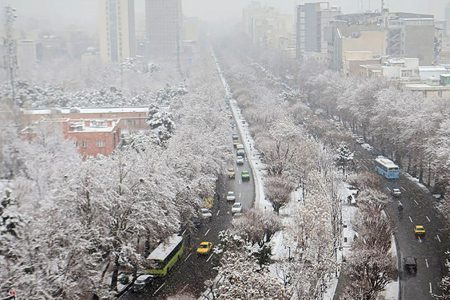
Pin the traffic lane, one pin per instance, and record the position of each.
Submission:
(428, 251)
(419, 208)
(191, 272)
(195, 270)
(244, 190)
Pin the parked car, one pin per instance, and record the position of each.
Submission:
(410, 264)
(239, 160)
(245, 176)
(231, 196)
(141, 282)
(396, 192)
(205, 213)
(360, 140)
(236, 208)
(230, 172)
(204, 248)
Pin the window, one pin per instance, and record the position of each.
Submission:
(83, 144)
(100, 143)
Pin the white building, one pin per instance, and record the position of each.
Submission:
(401, 69)
(26, 56)
(117, 32)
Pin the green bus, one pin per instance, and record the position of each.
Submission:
(166, 255)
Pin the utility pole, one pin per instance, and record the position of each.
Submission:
(10, 58)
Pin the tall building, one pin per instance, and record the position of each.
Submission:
(411, 35)
(163, 24)
(313, 21)
(267, 28)
(117, 32)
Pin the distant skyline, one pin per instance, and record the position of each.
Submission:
(83, 13)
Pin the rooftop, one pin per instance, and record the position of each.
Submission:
(386, 162)
(48, 111)
(164, 249)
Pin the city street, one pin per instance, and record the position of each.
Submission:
(189, 275)
(419, 208)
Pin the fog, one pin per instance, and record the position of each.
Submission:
(82, 13)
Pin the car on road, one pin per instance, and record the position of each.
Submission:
(367, 147)
(410, 264)
(231, 196)
(396, 192)
(239, 160)
(240, 152)
(204, 248)
(236, 208)
(245, 176)
(419, 231)
(230, 172)
(360, 140)
(205, 213)
(141, 282)
(235, 137)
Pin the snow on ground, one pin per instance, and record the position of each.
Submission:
(392, 289)
(3, 185)
(416, 181)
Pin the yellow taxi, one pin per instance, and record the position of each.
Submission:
(204, 248)
(419, 231)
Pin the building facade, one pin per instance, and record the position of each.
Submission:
(411, 35)
(312, 24)
(117, 30)
(163, 26)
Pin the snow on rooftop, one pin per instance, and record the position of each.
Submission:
(164, 249)
(386, 162)
(86, 110)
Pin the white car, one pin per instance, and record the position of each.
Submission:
(205, 213)
(236, 208)
(360, 140)
(140, 282)
(396, 192)
(231, 196)
(240, 160)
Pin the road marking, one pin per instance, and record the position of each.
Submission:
(239, 195)
(184, 232)
(218, 212)
(162, 286)
(403, 189)
(365, 167)
(388, 189)
(431, 289)
(428, 219)
(426, 263)
(416, 202)
(209, 257)
(182, 290)
(207, 231)
(438, 238)
(187, 257)
(410, 219)
(240, 181)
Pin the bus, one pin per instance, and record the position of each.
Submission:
(162, 259)
(387, 168)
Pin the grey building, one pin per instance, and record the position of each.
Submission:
(411, 35)
(313, 20)
(163, 24)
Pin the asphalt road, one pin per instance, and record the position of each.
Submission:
(419, 208)
(192, 271)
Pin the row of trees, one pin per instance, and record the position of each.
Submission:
(71, 226)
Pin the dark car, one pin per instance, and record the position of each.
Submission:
(410, 264)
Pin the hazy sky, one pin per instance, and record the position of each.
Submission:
(83, 13)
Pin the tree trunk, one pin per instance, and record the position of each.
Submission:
(115, 274)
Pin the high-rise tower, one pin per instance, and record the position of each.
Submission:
(117, 32)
